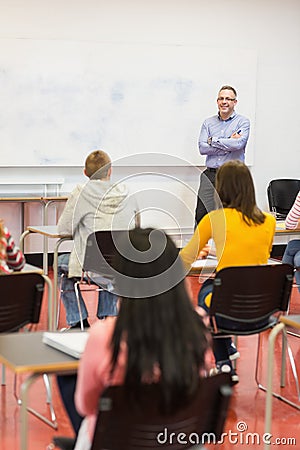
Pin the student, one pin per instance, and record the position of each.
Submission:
(11, 257)
(292, 220)
(157, 336)
(223, 137)
(292, 252)
(242, 233)
(98, 205)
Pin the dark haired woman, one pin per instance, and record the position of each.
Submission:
(157, 336)
(242, 233)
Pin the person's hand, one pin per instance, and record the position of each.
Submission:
(204, 252)
(236, 135)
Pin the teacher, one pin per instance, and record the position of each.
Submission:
(223, 137)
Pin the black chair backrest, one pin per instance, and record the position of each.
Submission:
(123, 424)
(21, 297)
(250, 294)
(101, 249)
(282, 194)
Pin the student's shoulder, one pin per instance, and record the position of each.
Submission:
(75, 191)
(270, 221)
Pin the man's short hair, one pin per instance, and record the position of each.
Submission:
(97, 165)
(229, 88)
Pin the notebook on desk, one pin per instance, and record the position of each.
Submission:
(70, 342)
(280, 224)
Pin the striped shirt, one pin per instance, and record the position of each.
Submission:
(293, 217)
(11, 257)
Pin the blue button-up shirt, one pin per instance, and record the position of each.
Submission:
(223, 148)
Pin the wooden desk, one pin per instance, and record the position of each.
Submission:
(282, 231)
(181, 236)
(22, 198)
(25, 352)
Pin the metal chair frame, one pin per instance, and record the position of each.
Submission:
(250, 298)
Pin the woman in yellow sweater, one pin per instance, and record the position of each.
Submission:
(242, 233)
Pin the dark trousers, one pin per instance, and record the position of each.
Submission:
(220, 345)
(205, 198)
(66, 385)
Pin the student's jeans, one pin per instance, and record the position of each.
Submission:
(292, 256)
(107, 301)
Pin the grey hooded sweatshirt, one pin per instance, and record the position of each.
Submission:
(97, 205)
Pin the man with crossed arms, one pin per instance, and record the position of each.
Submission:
(222, 137)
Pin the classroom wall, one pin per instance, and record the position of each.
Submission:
(268, 27)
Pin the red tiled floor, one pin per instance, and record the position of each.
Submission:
(246, 412)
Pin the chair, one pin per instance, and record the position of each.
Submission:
(246, 300)
(281, 195)
(284, 323)
(124, 424)
(20, 307)
(20, 300)
(98, 265)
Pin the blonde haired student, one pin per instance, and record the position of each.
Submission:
(99, 204)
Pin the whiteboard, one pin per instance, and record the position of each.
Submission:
(62, 99)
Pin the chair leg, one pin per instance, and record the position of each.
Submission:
(15, 390)
(269, 389)
(76, 286)
(283, 358)
(3, 376)
(256, 364)
(292, 363)
(49, 396)
(59, 301)
(52, 423)
(235, 341)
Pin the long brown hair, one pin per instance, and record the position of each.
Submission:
(235, 188)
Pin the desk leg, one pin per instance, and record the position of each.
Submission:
(51, 307)
(55, 286)
(22, 216)
(24, 389)
(55, 274)
(23, 413)
(45, 222)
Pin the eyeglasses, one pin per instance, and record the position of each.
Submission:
(226, 99)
